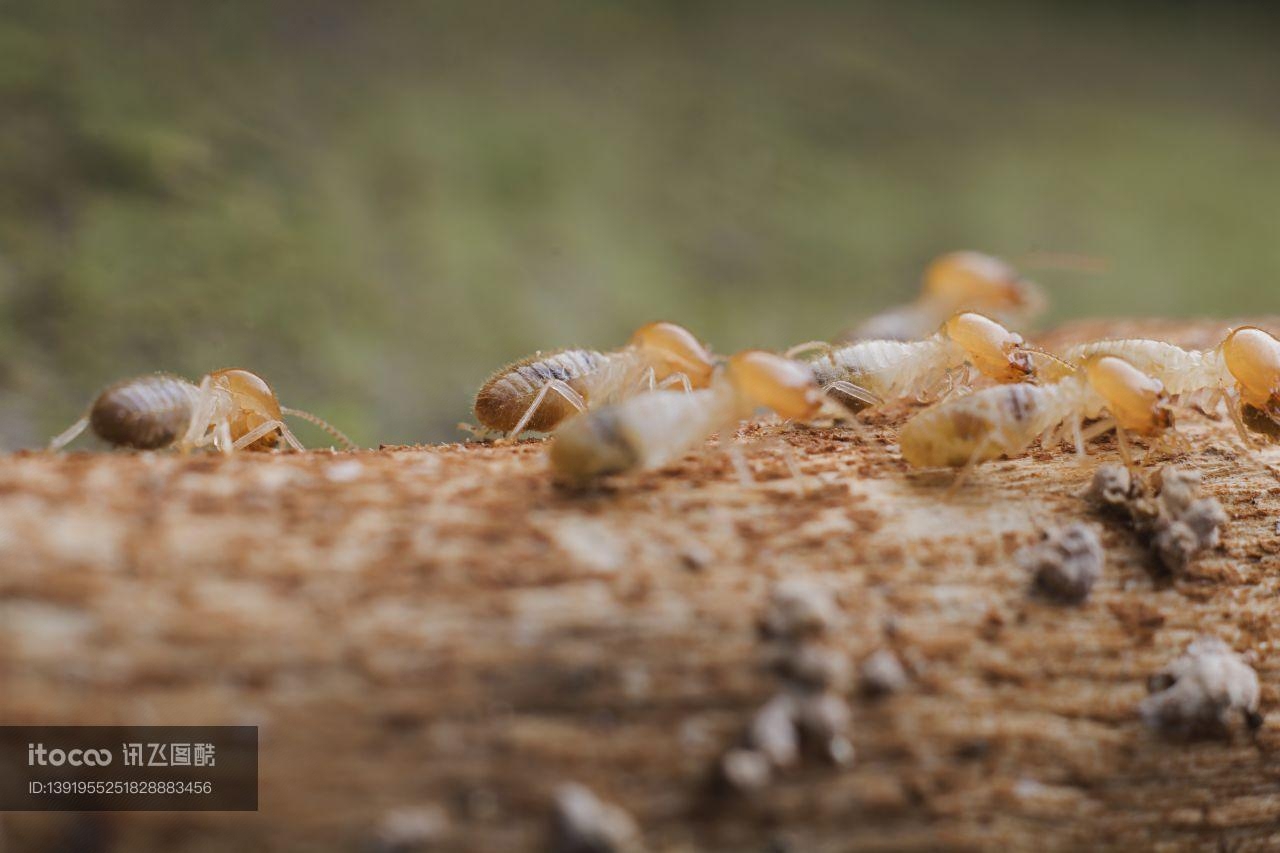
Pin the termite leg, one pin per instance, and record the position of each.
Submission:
(1096, 430)
(1077, 435)
(808, 346)
(1122, 442)
(560, 388)
(254, 434)
(219, 437)
(68, 435)
(676, 379)
(1206, 402)
(963, 475)
(855, 394)
(201, 414)
(290, 439)
(1049, 439)
(1233, 407)
(958, 383)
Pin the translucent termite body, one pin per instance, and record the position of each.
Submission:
(653, 429)
(1244, 370)
(958, 281)
(231, 409)
(539, 392)
(1005, 420)
(966, 343)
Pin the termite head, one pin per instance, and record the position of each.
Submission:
(254, 404)
(1137, 401)
(992, 349)
(975, 280)
(786, 386)
(1253, 357)
(673, 349)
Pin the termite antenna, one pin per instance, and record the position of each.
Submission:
(69, 435)
(347, 444)
(1048, 367)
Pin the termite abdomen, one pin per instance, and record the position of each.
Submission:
(508, 394)
(145, 413)
(592, 446)
(975, 428)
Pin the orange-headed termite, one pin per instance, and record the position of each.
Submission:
(1244, 370)
(958, 281)
(231, 409)
(967, 344)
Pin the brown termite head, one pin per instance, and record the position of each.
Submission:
(673, 349)
(766, 379)
(994, 350)
(1253, 358)
(975, 280)
(253, 401)
(1137, 401)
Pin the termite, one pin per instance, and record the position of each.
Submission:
(958, 281)
(1006, 419)
(1244, 370)
(539, 392)
(891, 369)
(231, 409)
(653, 429)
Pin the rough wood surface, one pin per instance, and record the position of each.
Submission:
(436, 637)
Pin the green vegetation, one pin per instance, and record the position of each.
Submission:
(376, 204)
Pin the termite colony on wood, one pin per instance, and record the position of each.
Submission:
(988, 393)
(992, 392)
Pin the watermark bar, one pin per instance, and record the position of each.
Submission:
(129, 768)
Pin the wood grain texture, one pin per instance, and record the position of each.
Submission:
(440, 629)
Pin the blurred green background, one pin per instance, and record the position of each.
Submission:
(375, 204)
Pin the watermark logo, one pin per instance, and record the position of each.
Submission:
(38, 756)
(128, 768)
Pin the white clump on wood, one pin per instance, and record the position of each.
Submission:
(1066, 563)
(799, 607)
(586, 824)
(1198, 692)
(883, 674)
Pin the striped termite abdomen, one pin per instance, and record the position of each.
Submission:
(889, 369)
(509, 393)
(989, 423)
(145, 413)
(1181, 371)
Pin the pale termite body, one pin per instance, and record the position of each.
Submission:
(651, 430)
(1005, 420)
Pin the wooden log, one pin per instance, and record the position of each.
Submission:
(433, 639)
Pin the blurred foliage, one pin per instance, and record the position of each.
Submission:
(376, 204)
